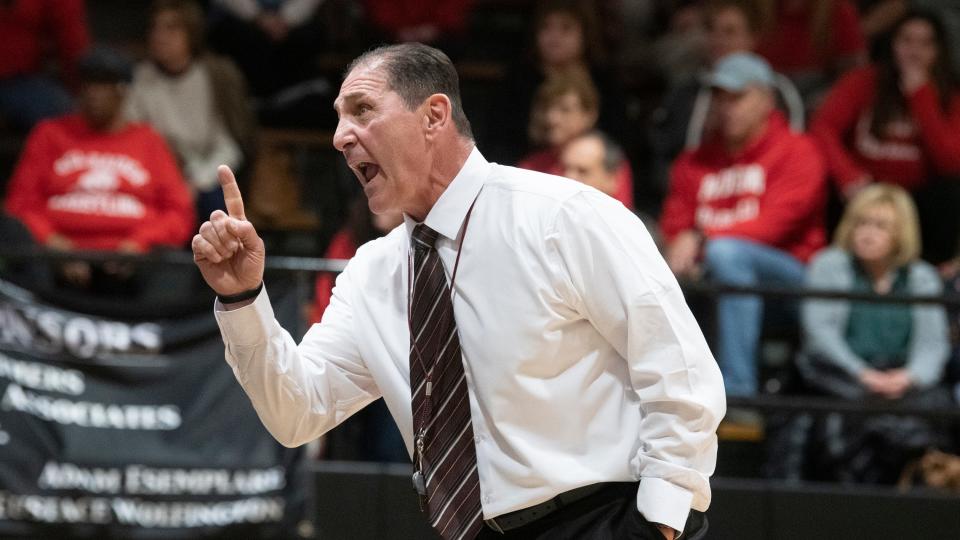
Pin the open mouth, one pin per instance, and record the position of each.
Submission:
(367, 170)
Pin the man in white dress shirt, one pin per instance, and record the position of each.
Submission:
(592, 398)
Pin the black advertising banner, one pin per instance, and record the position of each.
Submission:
(134, 428)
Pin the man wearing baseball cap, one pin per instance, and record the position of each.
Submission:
(745, 207)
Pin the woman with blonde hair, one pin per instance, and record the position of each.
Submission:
(874, 350)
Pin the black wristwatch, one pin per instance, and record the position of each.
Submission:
(240, 296)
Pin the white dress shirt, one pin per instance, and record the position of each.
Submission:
(583, 361)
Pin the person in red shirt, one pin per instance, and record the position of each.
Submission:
(732, 26)
(749, 201)
(567, 106)
(897, 120)
(812, 41)
(92, 181)
(28, 27)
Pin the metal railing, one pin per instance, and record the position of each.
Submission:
(304, 267)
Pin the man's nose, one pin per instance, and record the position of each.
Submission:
(343, 137)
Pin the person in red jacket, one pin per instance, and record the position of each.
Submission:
(897, 121)
(92, 181)
(28, 27)
(749, 202)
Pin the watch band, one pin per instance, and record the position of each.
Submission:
(240, 296)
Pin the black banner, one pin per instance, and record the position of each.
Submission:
(135, 428)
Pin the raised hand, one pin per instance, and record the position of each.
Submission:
(227, 250)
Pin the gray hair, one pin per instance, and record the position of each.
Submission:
(415, 72)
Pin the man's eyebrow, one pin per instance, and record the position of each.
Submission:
(350, 96)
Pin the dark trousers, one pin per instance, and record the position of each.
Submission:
(610, 514)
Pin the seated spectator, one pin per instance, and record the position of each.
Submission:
(93, 181)
(898, 121)
(28, 27)
(733, 26)
(812, 41)
(566, 107)
(566, 40)
(274, 42)
(195, 99)
(749, 200)
(867, 350)
(879, 17)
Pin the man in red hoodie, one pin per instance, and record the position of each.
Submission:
(93, 181)
(748, 203)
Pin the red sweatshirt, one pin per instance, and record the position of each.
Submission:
(773, 192)
(99, 189)
(28, 25)
(548, 161)
(909, 151)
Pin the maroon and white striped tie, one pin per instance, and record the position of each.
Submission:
(444, 452)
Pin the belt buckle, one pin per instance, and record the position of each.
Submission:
(492, 523)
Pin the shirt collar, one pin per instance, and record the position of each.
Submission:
(447, 215)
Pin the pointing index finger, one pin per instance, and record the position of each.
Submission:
(231, 193)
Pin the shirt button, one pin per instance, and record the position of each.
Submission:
(479, 439)
(486, 498)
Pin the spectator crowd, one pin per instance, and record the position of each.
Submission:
(803, 144)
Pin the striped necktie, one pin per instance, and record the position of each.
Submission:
(444, 452)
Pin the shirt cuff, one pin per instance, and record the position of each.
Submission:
(662, 502)
(248, 326)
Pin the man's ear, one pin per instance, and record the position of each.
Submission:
(437, 114)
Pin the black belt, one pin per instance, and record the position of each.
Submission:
(519, 518)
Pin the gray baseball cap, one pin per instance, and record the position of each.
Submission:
(735, 72)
